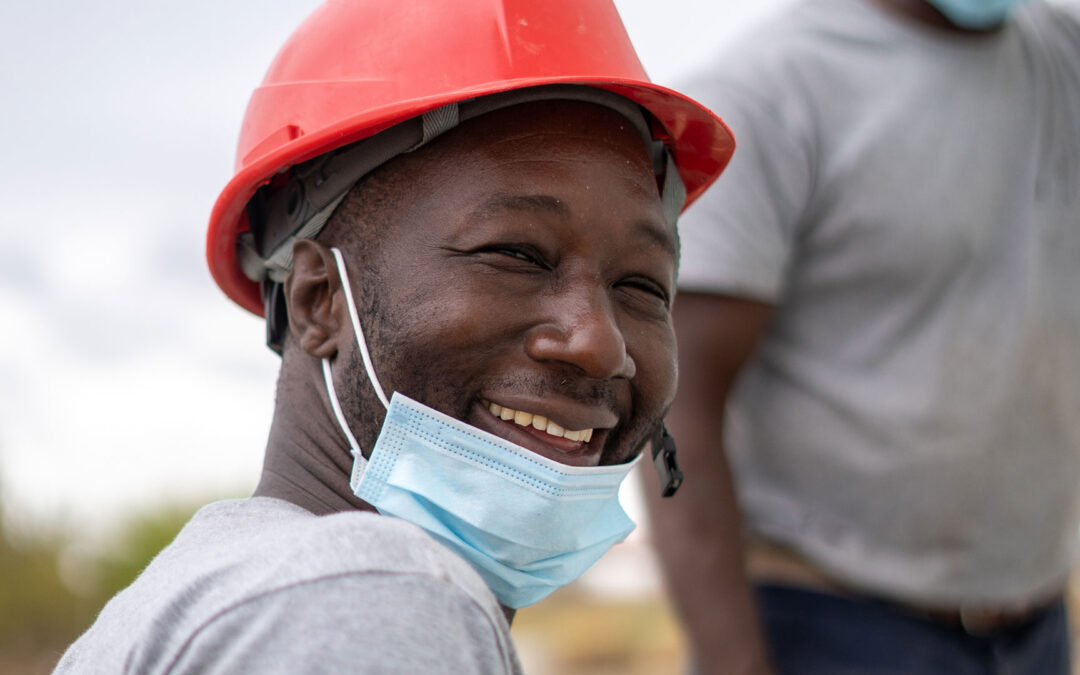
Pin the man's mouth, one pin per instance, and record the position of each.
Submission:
(540, 423)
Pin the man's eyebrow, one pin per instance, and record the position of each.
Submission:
(663, 235)
(503, 201)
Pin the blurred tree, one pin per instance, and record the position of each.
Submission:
(40, 614)
(135, 545)
(37, 611)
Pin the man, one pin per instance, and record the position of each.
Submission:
(895, 256)
(463, 243)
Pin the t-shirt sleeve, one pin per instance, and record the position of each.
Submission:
(355, 623)
(737, 238)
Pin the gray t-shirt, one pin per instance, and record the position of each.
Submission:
(263, 586)
(908, 200)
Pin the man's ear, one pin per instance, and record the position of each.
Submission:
(314, 300)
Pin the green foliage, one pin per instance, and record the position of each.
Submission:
(138, 542)
(36, 608)
(41, 612)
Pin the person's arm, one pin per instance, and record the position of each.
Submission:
(697, 533)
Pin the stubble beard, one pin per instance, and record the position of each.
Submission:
(429, 381)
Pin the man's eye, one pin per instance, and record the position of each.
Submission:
(514, 253)
(647, 287)
(522, 252)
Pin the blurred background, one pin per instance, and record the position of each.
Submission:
(131, 390)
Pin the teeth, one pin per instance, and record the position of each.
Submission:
(539, 422)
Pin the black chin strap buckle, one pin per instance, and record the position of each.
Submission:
(663, 457)
(277, 320)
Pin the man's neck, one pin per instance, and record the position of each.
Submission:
(307, 462)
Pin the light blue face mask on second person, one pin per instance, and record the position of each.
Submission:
(527, 524)
(976, 14)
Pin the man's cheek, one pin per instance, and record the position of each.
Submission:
(660, 383)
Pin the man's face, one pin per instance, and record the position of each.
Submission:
(524, 286)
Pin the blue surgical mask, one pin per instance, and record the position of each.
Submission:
(976, 14)
(527, 524)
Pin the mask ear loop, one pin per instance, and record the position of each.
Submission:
(357, 330)
(354, 447)
(364, 354)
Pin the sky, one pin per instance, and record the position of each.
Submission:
(127, 379)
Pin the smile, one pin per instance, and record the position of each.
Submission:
(527, 419)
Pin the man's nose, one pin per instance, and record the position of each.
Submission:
(584, 333)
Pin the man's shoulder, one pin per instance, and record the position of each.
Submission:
(242, 560)
(280, 533)
(257, 545)
(362, 542)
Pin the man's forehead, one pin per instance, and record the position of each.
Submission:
(508, 160)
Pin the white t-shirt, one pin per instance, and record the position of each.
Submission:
(907, 198)
(263, 586)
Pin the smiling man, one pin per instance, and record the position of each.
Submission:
(464, 245)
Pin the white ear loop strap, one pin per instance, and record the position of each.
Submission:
(360, 342)
(354, 447)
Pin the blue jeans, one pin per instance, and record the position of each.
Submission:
(812, 633)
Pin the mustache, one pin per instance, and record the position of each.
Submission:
(590, 391)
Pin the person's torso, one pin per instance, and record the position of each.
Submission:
(911, 421)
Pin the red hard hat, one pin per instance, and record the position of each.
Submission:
(357, 67)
